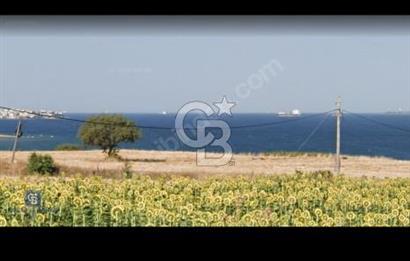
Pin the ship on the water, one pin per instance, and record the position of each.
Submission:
(292, 113)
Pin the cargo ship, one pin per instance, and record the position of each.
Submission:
(293, 113)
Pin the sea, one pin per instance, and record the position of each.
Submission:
(386, 135)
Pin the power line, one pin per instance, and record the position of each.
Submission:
(313, 132)
(369, 146)
(265, 124)
(160, 127)
(378, 122)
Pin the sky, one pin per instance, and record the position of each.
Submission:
(155, 64)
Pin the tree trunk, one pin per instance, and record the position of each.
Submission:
(111, 151)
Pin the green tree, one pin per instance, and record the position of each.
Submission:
(107, 131)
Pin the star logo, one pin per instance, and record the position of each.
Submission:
(224, 106)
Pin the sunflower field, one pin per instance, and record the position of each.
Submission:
(301, 199)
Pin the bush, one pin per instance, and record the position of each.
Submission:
(127, 170)
(42, 164)
(67, 147)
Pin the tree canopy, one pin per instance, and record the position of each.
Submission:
(107, 131)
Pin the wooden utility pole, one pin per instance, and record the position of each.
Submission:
(338, 115)
(15, 140)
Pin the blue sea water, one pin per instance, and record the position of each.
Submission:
(358, 136)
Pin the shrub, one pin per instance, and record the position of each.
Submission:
(67, 147)
(127, 170)
(42, 164)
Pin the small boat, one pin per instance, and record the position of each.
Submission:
(293, 113)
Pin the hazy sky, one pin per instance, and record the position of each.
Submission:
(139, 64)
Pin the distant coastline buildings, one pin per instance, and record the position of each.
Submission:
(29, 114)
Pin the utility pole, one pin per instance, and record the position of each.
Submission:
(15, 140)
(338, 115)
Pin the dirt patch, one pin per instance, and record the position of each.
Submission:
(184, 163)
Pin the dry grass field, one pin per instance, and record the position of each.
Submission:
(184, 163)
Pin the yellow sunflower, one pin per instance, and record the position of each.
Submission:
(350, 215)
(117, 211)
(40, 218)
(3, 221)
(14, 223)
